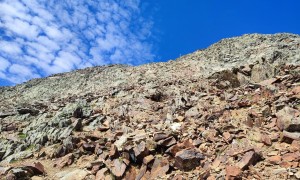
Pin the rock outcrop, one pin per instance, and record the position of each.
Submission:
(231, 111)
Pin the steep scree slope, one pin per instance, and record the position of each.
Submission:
(230, 111)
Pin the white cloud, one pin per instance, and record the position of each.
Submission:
(44, 37)
(10, 47)
(4, 64)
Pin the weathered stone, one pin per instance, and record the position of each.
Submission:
(20, 173)
(65, 161)
(114, 153)
(291, 157)
(266, 140)
(101, 174)
(274, 159)
(120, 142)
(88, 147)
(118, 168)
(141, 172)
(250, 158)
(188, 159)
(291, 135)
(262, 72)
(30, 111)
(4, 170)
(159, 136)
(131, 173)
(288, 119)
(167, 142)
(232, 172)
(36, 167)
(148, 159)
(77, 174)
(78, 113)
(297, 175)
(159, 168)
(227, 136)
(141, 151)
(77, 124)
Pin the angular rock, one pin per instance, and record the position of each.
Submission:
(101, 174)
(188, 159)
(249, 158)
(159, 168)
(274, 159)
(167, 142)
(114, 153)
(78, 113)
(120, 142)
(291, 157)
(65, 161)
(261, 72)
(88, 147)
(288, 119)
(291, 135)
(297, 174)
(118, 168)
(159, 136)
(36, 167)
(141, 151)
(148, 159)
(266, 140)
(232, 172)
(4, 170)
(30, 111)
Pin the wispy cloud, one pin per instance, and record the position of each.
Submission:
(39, 38)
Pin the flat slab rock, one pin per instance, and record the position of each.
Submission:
(78, 174)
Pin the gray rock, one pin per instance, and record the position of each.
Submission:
(288, 119)
(262, 72)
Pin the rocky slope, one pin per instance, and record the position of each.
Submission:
(231, 111)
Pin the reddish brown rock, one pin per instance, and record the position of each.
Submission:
(286, 164)
(188, 159)
(266, 140)
(65, 161)
(295, 146)
(130, 174)
(249, 158)
(274, 159)
(232, 172)
(291, 157)
(159, 168)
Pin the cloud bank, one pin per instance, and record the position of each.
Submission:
(39, 38)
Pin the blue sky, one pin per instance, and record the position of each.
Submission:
(39, 37)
